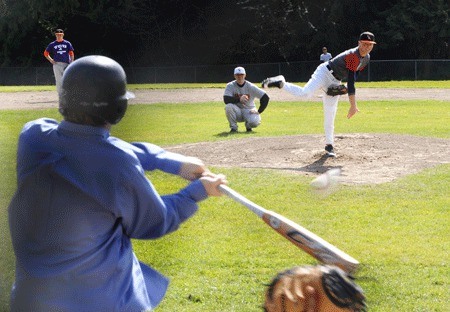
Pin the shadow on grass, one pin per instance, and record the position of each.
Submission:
(227, 133)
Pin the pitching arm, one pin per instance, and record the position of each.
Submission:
(351, 94)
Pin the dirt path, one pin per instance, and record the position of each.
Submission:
(48, 99)
(363, 158)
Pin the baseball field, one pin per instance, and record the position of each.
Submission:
(391, 211)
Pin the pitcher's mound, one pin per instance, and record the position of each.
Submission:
(363, 158)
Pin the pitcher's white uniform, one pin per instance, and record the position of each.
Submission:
(346, 65)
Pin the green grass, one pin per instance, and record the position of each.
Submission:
(221, 258)
(374, 84)
(167, 124)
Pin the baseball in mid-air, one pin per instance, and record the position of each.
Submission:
(326, 181)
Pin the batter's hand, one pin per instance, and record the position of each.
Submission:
(192, 168)
(211, 182)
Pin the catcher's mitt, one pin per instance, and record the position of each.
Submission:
(337, 90)
(314, 289)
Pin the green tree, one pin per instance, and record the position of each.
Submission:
(417, 29)
(296, 30)
(145, 33)
(288, 30)
(131, 31)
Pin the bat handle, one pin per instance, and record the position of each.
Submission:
(258, 210)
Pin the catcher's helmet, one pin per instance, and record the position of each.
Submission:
(94, 91)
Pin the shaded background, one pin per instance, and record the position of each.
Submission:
(214, 32)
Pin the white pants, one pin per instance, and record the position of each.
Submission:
(58, 70)
(320, 79)
(236, 114)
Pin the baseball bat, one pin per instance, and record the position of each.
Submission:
(296, 234)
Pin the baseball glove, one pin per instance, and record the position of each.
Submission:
(314, 289)
(337, 90)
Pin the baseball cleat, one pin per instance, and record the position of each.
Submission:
(330, 150)
(271, 82)
(233, 130)
(249, 129)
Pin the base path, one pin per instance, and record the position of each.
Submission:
(49, 99)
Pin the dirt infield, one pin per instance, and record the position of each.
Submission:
(363, 158)
(48, 99)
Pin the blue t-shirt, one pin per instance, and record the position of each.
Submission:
(59, 50)
(82, 196)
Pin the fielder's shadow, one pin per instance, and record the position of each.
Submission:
(227, 134)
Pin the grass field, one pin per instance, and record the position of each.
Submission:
(221, 259)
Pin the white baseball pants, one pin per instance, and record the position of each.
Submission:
(58, 70)
(320, 79)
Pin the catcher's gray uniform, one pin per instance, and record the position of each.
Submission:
(243, 109)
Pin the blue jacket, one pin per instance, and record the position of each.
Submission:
(82, 196)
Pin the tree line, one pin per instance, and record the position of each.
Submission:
(200, 32)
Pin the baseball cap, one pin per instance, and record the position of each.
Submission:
(239, 71)
(368, 37)
(59, 31)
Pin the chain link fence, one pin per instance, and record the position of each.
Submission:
(378, 70)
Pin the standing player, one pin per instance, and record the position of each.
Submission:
(325, 56)
(328, 77)
(239, 99)
(83, 195)
(60, 54)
